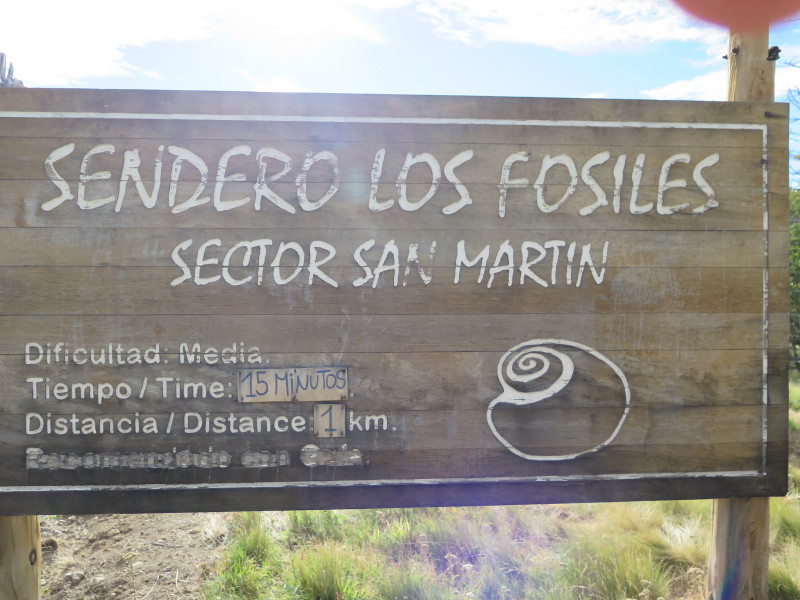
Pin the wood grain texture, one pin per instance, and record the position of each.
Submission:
(624, 242)
(739, 558)
(20, 558)
(738, 562)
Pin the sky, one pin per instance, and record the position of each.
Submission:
(646, 49)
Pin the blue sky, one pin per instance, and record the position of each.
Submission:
(608, 48)
(554, 48)
(578, 48)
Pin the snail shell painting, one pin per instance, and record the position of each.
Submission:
(560, 400)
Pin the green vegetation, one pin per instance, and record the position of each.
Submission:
(794, 278)
(616, 551)
(646, 550)
(643, 551)
(794, 309)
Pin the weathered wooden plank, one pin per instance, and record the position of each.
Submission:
(25, 158)
(383, 464)
(335, 334)
(149, 247)
(298, 134)
(467, 465)
(740, 209)
(109, 290)
(662, 371)
(618, 463)
(557, 424)
(245, 103)
(680, 376)
(121, 499)
(127, 127)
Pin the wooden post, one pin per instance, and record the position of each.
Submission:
(751, 77)
(739, 555)
(20, 558)
(20, 541)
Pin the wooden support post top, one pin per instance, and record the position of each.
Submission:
(751, 74)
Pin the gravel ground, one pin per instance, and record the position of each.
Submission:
(137, 557)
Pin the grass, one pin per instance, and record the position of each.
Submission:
(794, 405)
(634, 550)
(615, 551)
(252, 558)
(584, 552)
(331, 571)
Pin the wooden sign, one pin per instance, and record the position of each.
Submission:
(227, 301)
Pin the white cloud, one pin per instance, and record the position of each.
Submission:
(786, 78)
(60, 43)
(710, 86)
(56, 43)
(283, 83)
(714, 86)
(577, 26)
(300, 27)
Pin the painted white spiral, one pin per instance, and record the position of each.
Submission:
(526, 363)
(531, 360)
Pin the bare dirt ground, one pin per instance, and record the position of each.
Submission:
(136, 557)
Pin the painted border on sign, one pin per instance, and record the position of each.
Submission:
(454, 121)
